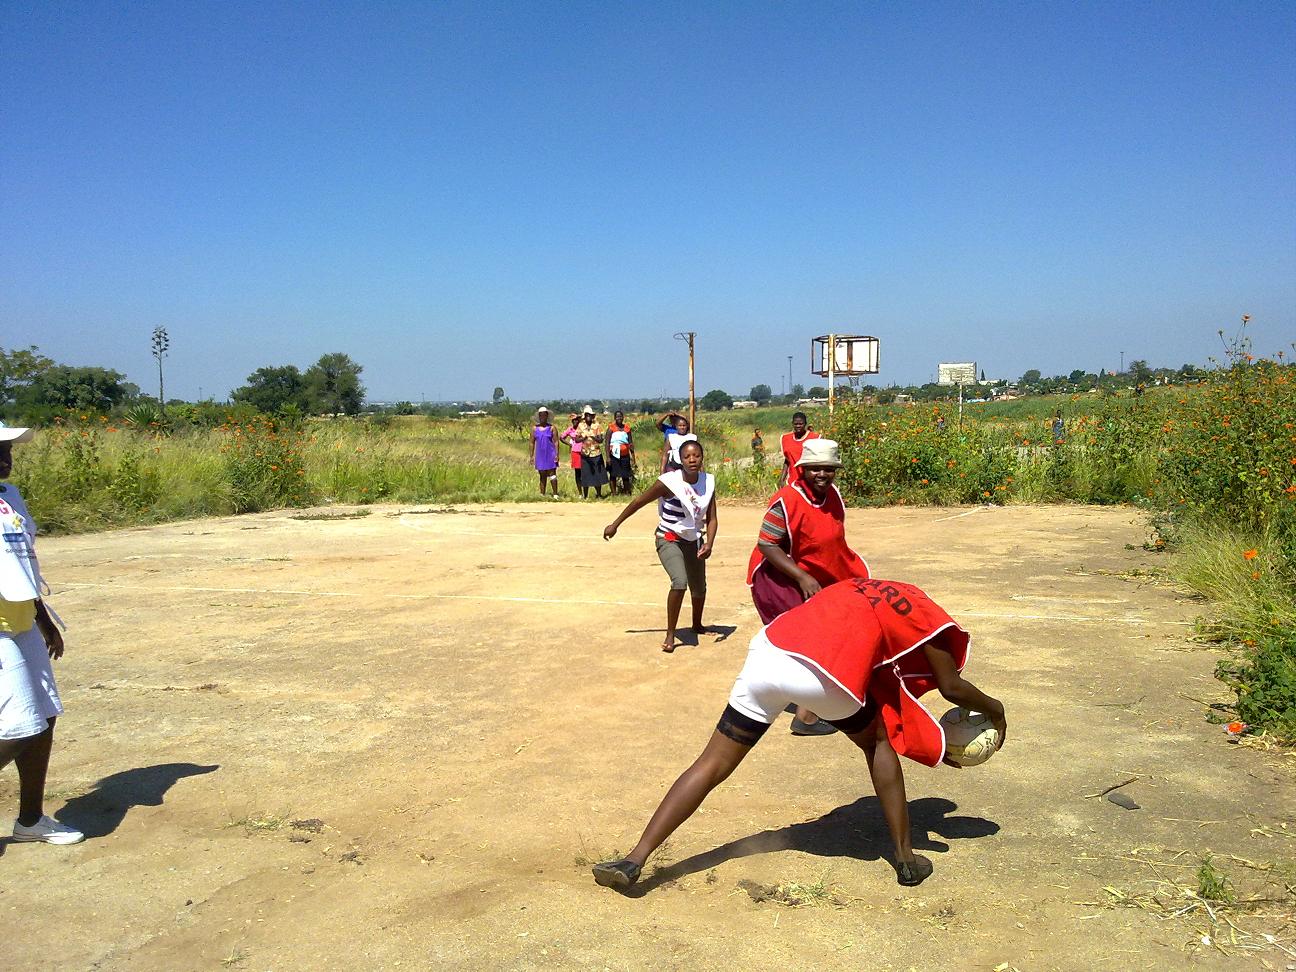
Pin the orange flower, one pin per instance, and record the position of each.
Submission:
(1250, 554)
(1255, 575)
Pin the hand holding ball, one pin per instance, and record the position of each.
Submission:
(970, 737)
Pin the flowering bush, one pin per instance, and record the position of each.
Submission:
(264, 465)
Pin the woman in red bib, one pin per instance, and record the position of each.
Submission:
(860, 653)
(791, 443)
(802, 548)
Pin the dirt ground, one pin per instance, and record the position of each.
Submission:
(397, 741)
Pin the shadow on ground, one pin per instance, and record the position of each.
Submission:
(100, 811)
(855, 830)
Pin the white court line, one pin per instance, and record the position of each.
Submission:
(179, 589)
(556, 536)
(979, 509)
(1064, 617)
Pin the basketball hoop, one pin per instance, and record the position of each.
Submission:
(849, 355)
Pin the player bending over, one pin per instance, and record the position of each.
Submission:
(843, 654)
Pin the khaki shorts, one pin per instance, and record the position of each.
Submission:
(682, 564)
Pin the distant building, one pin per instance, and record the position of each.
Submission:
(746, 404)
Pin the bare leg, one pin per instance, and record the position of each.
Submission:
(674, 601)
(699, 602)
(721, 756)
(33, 763)
(543, 478)
(806, 716)
(888, 783)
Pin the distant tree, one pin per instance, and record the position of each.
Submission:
(161, 344)
(333, 385)
(498, 394)
(1076, 376)
(1031, 377)
(18, 369)
(403, 408)
(65, 387)
(715, 400)
(270, 389)
(517, 417)
(798, 391)
(761, 393)
(1140, 371)
(818, 391)
(983, 376)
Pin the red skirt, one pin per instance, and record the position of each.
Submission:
(773, 592)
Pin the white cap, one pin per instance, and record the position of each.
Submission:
(587, 410)
(10, 434)
(820, 452)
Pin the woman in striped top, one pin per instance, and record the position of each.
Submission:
(686, 532)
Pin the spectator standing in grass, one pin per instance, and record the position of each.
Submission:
(758, 447)
(544, 450)
(676, 430)
(1059, 427)
(572, 437)
(621, 454)
(792, 443)
(685, 535)
(802, 549)
(29, 639)
(593, 467)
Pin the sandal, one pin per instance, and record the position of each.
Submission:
(618, 875)
(913, 873)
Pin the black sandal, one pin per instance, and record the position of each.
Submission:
(913, 873)
(618, 875)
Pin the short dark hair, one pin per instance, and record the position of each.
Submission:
(800, 415)
(691, 442)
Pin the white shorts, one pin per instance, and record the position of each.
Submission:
(28, 696)
(771, 679)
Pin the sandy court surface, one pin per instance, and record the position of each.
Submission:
(396, 741)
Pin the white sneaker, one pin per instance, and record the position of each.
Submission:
(49, 830)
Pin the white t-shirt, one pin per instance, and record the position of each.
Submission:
(684, 513)
(673, 442)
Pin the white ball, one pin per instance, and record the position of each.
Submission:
(970, 737)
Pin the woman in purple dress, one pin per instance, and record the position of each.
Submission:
(544, 450)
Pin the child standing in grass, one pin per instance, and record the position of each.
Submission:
(29, 638)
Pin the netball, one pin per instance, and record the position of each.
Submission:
(970, 737)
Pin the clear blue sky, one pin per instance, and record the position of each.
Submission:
(537, 195)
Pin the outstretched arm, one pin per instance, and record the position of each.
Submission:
(656, 491)
(960, 691)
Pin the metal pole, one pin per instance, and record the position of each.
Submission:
(692, 390)
(960, 388)
(832, 372)
(789, 391)
(688, 336)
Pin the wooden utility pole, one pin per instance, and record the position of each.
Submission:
(689, 336)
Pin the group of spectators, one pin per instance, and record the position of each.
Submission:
(600, 455)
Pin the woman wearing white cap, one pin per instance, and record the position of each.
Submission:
(802, 547)
(29, 638)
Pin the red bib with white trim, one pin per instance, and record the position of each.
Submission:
(816, 537)
(866, 635)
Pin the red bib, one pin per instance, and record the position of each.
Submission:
(792, 448)
(865, 635)
(817, 537)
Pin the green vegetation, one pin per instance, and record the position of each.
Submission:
(1214, 461)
